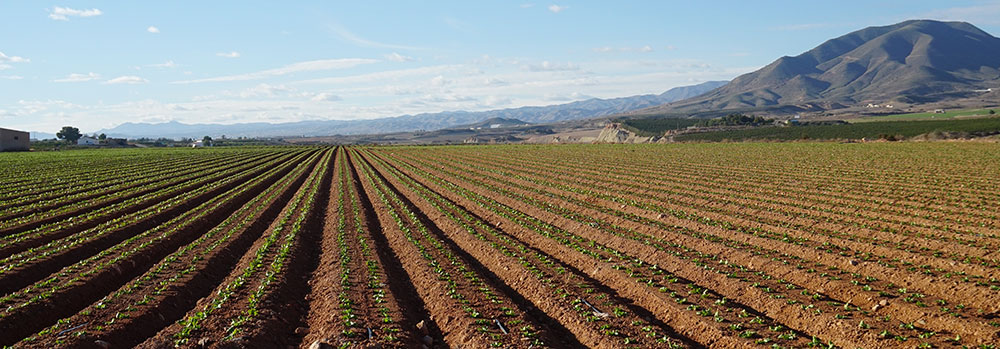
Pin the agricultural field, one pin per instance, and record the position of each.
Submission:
(771, 245)
(896, 129)
(946, 114)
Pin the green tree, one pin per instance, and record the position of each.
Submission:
(207, 141)
(102, 137)
(69, 133)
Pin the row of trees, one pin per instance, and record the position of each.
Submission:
(735, 120)
(72, 134)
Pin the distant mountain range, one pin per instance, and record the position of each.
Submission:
(433, 121)
(915, 61)
(42, 135)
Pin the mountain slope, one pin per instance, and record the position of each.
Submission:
(913, 61)
(431, 121)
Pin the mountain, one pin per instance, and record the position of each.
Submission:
(915, 61)
(498, 122)
(431, 121)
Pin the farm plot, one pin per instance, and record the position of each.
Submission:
(674, 246)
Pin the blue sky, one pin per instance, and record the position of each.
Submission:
(97, 64)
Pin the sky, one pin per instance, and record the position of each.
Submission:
(98, 64)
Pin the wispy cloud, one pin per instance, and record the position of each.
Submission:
(609, 49)
(551, 66)
(348, 36)
(63, 13)
(556, 8)
(127, 79)
(233, 54)
(11, 77)
(12, 59)
(325, 97)
(164, 65)
(153, 30)
(325, 64)
(263, 90)
(396, 57)
(384, 76)
(79, 77)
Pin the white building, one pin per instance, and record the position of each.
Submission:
(87, 141)
(198, 144)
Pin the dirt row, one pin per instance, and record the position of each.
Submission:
(828, 238)
(33, 265)
(43, 231)
(914, 313)
(757, 189)
(883, 192)
(37, 189)
(164, 293)
(464, 298)
(541, 275)
(613, 217)
(350, 299)
(74, 288)
(660, 302)
(93, 194)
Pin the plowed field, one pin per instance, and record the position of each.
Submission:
(717, 245)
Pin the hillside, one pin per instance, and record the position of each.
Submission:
(917, 61)
(431, 121)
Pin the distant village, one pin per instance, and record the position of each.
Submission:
(71, 138)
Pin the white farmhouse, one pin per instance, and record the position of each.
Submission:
(87, 141)
(198, 144)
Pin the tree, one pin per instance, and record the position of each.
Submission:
(207, 141)
(102, 137)
(69, 133)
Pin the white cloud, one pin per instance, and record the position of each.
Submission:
(326, 97)
(63, 13)
(396, 57)
(575, 96)
(384, 76)
(11, 77)
(263, 90)
(496, 101)
(609, 49)
(495, 82)
(348, 36)
(439, 81)
(550, 66)
(12, 59)
(153, 30)
(127, 79)
(556, 8)
(324, 64)
(233, 54)
(79, 77)
(5, 66)
(166, 65)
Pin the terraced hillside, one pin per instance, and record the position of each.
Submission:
(692, 245)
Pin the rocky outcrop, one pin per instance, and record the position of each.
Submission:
(614, 133)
